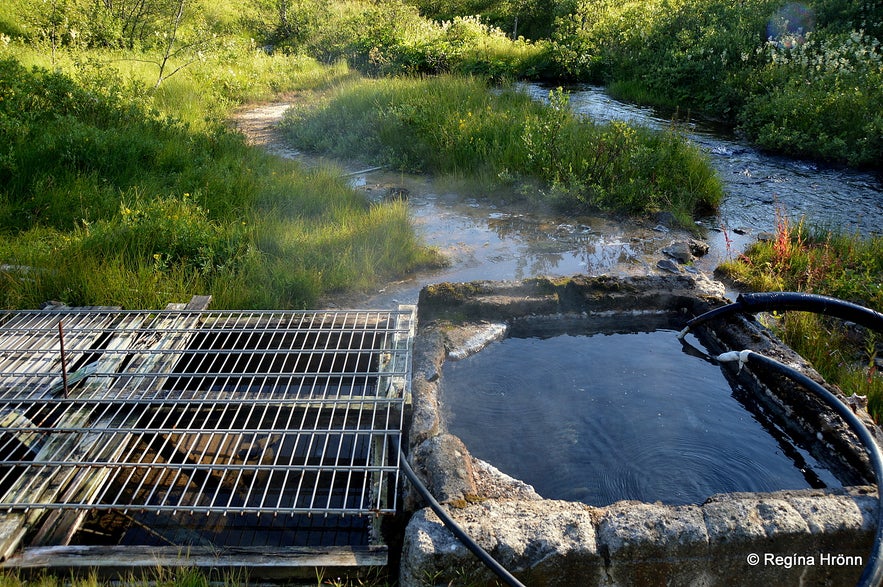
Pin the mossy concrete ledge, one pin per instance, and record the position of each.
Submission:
(805, 537)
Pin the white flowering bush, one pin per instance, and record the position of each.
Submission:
(804, 78)
(820, 96)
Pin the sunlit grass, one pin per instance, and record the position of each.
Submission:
(120, 195)
(458, 126)
(845, 266)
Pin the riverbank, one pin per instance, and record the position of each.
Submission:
(481, 237)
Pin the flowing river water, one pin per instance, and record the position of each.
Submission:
(483, 240)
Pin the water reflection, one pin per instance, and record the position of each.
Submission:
(504, 242)
(602, 435)
(755, 183)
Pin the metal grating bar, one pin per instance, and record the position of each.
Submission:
(202, 412)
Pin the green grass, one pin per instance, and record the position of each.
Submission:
(187, 577)
(800, 78)
(844, 266)
(456, 126)
(109, 198)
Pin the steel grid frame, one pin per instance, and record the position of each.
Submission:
(258, 412)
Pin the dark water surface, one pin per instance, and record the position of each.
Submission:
(608, 417)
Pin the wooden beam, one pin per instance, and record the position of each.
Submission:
(259, 563)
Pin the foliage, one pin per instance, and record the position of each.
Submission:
(845, 266)
(533, 19)
(827, 100)
(106, 200)
(456, 126)
(391, 37)
(806, 79)
(131, 24)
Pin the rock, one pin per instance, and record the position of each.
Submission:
(541, 542)
(698, 248)
(681, 252)
(686, 251)
(665, 220)
(669, 265)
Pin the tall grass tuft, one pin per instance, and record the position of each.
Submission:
(457, 126)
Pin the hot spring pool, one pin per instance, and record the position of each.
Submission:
(599, 418)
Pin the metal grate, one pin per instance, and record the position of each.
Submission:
(202, 412)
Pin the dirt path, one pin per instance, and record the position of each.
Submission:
(260, 125)
(481, 239)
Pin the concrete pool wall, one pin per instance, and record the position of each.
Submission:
(787, 537)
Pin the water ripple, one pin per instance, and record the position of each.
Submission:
(610, 417)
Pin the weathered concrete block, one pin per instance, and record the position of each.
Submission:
(495, 484)
(647, 544)
(425, 412)
(446, 468)
(543, 543)
(428, 355)
(739, 539)
(748, 521)
(653, 530)
(836, 513)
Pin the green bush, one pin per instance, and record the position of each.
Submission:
(799, 78)
(393, 38)
(820, 98)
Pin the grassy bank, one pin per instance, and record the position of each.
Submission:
(801, 78)
(457, 126)
(844, 266)
(110, 197)
(393, 38)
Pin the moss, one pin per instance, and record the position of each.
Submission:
(451, 293)
(546, 285)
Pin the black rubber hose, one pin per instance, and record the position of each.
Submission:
(872, 576)
(455, 528)
(785, 300)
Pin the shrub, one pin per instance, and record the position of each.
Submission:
(803, 78)
(820, 98)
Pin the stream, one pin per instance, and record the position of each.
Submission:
(488, 241)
